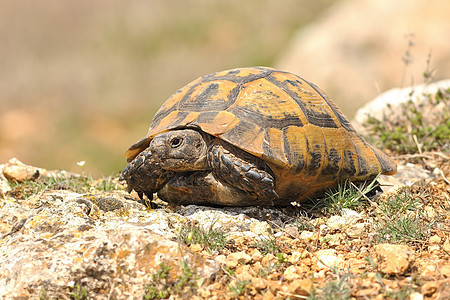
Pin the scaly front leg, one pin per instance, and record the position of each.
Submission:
(144, 175)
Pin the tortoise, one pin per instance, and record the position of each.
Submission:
(249, 136)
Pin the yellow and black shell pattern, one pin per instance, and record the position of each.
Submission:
(279, 117)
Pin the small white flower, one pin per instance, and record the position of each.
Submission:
(81, 163)
(409, 183)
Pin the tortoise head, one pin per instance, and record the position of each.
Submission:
(180, 150)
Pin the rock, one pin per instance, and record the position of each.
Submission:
(327, 259)
(306, 235)
(17, 171)
(429, 288)
(350, 216)
(103, 242)
(347, 218)
(336, 222)
(388, 103)
(4, 185)
(238, 258)
(301, 287)
(221, 259)
(428, 270)
(292, 273)
(333, 239)
(50, 251)
(244, 272)
(406, 175)
(295, 257)
(256, 255)
(415, 296)
(446, 245)
(393, 259)
(445, 270)
(292, 231)
(370, 56)
(355, 231)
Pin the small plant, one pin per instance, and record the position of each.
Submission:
(400, 203)
(402, 230)
(239, 287)
(401, 294)
(187, 277)
(303, 223)
(401, 220)
(413, 130)
(43, 295)
(264, 272)
(157, 288)
(346, 195)
(268, 246)
(335, 289)
(79, 292)
(163, 285)
(211, 239)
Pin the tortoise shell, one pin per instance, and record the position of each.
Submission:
(279, 117)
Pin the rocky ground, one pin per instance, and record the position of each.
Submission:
(68, 236)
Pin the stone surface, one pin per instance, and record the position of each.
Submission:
(102, 242)
(355, 50)
(393, 259)
(378, 107)
(61, 243)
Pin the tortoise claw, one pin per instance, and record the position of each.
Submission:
(129, 189)
(149, 195)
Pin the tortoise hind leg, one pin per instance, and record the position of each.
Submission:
(242, 171)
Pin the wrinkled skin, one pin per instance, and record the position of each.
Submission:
(190, 167)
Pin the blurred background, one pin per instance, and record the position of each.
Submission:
(81, 80)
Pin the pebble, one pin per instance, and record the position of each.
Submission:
(236, 258)
(256, 255)
(301, 287)
(445, 270)
(260, 228)
(446, 245)
(435, 239)
(306, 235)
(196, 248)
(393, 259)
(327, 259)
(268, 259)
(15, 170)
(291, 273)
(295, 257)
(4, 187)
(351, 216)
(429, 288)
(416, 296)
(355, 230)
(292, 231)
(334, 239)
(336, 222)
(221, 259)
(428, 270)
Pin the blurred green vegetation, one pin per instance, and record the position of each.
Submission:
(81, 80)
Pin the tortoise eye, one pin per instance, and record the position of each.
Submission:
(176, 142)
